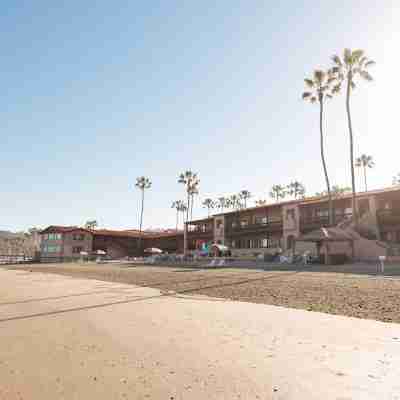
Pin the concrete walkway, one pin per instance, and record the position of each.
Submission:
(66, 338)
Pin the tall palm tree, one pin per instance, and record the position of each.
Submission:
(244, 195)
(354, 64)
(191, 182)
(319, 90)
(209, 204)
(277, 192)
(142, 183)
(296, 189)
(365, 162)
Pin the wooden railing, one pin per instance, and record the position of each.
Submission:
(254, 228)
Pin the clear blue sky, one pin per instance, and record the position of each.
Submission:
(96, 93)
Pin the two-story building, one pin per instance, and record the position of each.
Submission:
(275, 227)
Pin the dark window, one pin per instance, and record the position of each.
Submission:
(76, 250)
(78, 236)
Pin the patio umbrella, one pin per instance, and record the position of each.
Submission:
(153, 250)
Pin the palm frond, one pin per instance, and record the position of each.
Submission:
(306, 95)
(366, 75)
(356, 55)
(309, 83)
(353, 85)
(347, 56)
(319, 76)
(369, 63)
(336, 59)
(313, 99)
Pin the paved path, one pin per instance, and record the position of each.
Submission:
(68, 338)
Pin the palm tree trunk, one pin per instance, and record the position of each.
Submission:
(365, 178)
(191, 207)
(141, 221)
(328, 186)
(353, 183)
(177, 219)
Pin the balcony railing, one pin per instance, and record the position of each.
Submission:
(254, 228)
(311, 223)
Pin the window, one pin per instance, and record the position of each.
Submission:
(233, 244)
(234, 224)
(219, 223)
(244, 223)
(260, 219)
(78, 236)
(51, 249)
(76, 250)
(264, 243)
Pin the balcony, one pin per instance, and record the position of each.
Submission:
(200, 234)
(388, 217)
(308, 224)
(271, 226)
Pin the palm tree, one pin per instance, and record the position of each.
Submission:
(142, 183)
(320, 89)
(261, 202)
(365, 162)
(209, 204)
(277, 192)
(191, 182)
(296, 189)
(234, 201)
(91, 224)
(244, 195)
(222, 203)
(177, 205)
(354, 64)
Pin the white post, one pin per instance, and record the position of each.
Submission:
(382, 263)
(185, 239)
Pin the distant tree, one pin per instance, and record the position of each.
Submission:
(209, 204)
(222, 203)
(235, 202)
(142, 183)
(296, 189)
(91, 224)
(278, 192)
(365, 162)
(353, 64)
(336, 191)
(244, 195)
(178, 205)
(261, 202)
